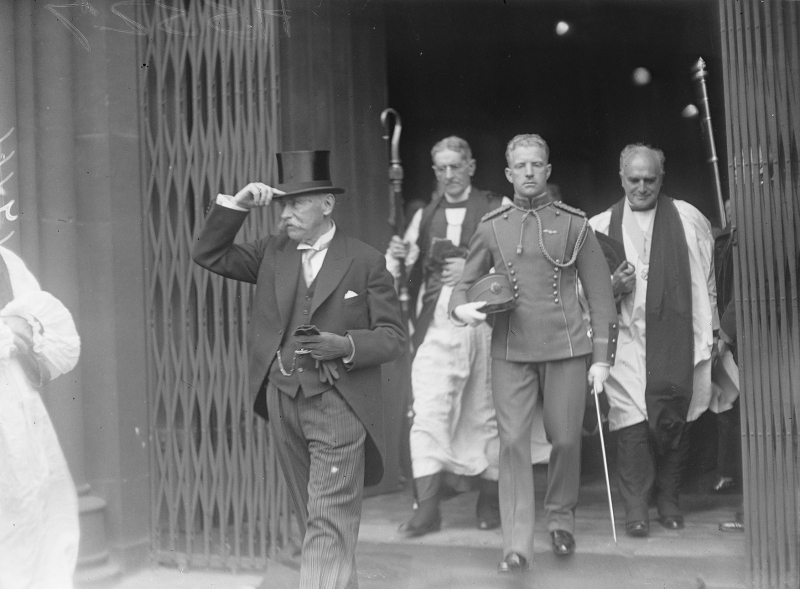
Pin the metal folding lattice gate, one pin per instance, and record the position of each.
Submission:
(761, 56)
(209, 100)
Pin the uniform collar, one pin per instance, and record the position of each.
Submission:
(532, 203)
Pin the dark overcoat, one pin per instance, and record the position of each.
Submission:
(371, 318)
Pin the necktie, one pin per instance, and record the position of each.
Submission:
(308, 269)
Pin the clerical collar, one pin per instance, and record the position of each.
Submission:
(322, 243)
(462, 198)
(649, 211)
(532, 203)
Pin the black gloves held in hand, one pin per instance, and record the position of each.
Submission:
(328, 372)
(325, 346)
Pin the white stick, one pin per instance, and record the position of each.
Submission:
(605, 462)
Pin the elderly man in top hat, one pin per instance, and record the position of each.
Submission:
(540, 248)
(324, 318)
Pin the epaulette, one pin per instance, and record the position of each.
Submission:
(569, 209)
(497, 211)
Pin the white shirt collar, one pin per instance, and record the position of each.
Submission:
(322, 243)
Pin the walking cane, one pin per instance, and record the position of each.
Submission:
(605, 461)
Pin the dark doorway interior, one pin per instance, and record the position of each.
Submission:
(487, 70)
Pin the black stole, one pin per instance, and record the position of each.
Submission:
(478, 204)
(670, 333)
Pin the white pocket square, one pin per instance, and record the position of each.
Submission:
(350, 294)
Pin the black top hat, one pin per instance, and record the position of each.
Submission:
(305, 172)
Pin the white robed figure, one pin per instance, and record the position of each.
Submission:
(39, 530)
(661, 380)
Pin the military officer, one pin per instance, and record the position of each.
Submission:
(543, 345)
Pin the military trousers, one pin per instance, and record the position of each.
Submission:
(516, 387)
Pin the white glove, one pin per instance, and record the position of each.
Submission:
(468, 313)
(598, 373)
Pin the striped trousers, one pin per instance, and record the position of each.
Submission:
(320, 446)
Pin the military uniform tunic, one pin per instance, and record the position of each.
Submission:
(545, 248)
(548, 322)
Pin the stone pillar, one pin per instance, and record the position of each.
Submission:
(25, 158)
(56, 199)
(9, 228)
(54, 82)
(110, 271)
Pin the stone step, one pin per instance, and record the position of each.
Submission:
(99, 576)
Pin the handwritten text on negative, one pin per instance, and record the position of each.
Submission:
(175, 24)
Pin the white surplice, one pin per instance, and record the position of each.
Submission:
(628, 377)
(39, 531)
(455, 427)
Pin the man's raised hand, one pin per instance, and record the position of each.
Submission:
(255, 194)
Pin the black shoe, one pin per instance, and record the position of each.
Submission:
(415, 528)
(737, 525)
(426, 519)
(513, 563)
(672, 522)
(487, 511)
(563, 542)
(731, 526)
(637, 529)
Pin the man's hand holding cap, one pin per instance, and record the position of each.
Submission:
(469, 313)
